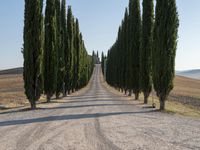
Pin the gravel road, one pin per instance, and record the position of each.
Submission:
(97, 118)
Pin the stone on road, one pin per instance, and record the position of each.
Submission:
(97, 118)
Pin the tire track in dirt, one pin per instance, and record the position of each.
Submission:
(93, 132)
(54, 132)
(96, 138)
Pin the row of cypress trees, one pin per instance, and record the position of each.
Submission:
(55, 58)
(143, 55)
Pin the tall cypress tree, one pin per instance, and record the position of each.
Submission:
(74, 52)
(165, 45)
(102, 62)
(50, 50)
(93, 57)
(64, 44)
(79, 61)
(60, 51)
(32, 50)
(129, 50)
(77, 49)
(146, 48)
(124, 53)
(70, 48)
(135, 36)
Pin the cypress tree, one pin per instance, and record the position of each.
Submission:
(60, 51)
(124, 53)
(108, 67)
(69, 79)
(93, 57)
(77, 49)
(64, 44)
(102, 62)
(135, 36)
(32, 50)
(74, 54)
(165, 45)
(50, 50)
(119, 49)
(146, 49)
(129, 56)
(80, 61)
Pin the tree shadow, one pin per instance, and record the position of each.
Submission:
(64, 107)
(145, 107)
(84, 106)
(69, 117)
(20, 109)
(84, 101)
(92, 97)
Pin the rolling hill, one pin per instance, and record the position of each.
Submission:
(12, 71)
(194, 74)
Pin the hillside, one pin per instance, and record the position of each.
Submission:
(12, 71)
(195, 74)
(187, 91)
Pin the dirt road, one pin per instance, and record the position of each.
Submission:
(97, 119)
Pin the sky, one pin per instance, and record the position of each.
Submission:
(99, 21)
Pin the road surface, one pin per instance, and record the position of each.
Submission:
(97, 118)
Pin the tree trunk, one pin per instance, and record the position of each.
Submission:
(48, 98)
(145, 98)
(125, 92)
(57, 95)
(136, 96)
(69, 92)
(33, 105)
(130, 93)
(162, 103)
(64, 93)
(64, 90)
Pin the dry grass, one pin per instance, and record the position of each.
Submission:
(12, 91)
(184, 98)
(186, 87)
(176, 108)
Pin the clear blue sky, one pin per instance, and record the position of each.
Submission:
(99, 22)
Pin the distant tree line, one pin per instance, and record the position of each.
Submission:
(55, 58)
(95, 57)
(143, 55)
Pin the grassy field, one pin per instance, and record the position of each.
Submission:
(184, 99)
